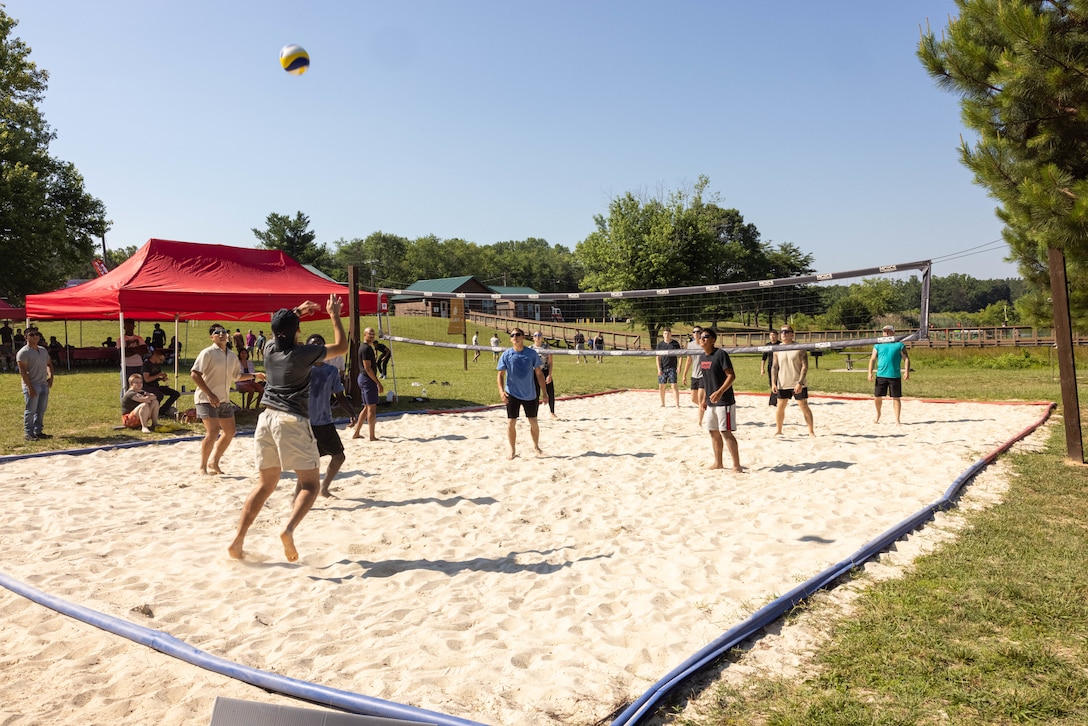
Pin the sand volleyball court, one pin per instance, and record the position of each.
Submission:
(536, 591)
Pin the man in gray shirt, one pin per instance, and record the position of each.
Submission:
(283, 438)
(36, 369)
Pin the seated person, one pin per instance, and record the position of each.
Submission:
(154, 377)
(139, 408)
(253, 390)
(384, 355)
(109, 342)
(54, 348)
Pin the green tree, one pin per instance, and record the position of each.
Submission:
(294, 237)
(117, 256)
(48, 222)
(379, 257)
(1020, 68)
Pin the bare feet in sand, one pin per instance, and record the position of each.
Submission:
(235, 551)
(289, 547)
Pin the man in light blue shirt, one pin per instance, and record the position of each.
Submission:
(517, 367)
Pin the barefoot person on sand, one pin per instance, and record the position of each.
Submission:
(215, 369)
(719, 401)
(517, 367)
(283, 438)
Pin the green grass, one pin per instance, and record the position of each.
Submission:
(990, 629)
(84, 404)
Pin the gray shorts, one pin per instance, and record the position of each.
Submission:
(224, 410)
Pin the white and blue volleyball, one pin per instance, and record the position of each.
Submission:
(294, 59)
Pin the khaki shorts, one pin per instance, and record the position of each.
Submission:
(285, 441)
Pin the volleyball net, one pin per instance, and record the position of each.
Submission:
(827, 311)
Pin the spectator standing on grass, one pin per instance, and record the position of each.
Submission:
(158, 337)
(36, 370)
(598, 345)
(258, 346)
(495, 344)
(888, 359)
(476, 342)
(666, 366)
(580, 344)
(541, 348)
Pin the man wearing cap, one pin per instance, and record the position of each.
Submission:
(36, 369)
(517, 367)
(214, 371)
(888, 358)
(284, 438)
(154, 377)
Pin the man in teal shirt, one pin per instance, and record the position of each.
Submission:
(889, 358)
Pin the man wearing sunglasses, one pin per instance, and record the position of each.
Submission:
(36, 369)
(214, 371)
(518, 366)
(718, 400)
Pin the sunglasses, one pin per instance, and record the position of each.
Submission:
(219, 332)
(704, 337)
(786, 332)
(517, 335)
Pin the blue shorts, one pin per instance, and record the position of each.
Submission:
(369, 390)
(666, 376)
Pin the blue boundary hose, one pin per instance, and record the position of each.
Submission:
(646, 704)
(169, 645)
(634, 714)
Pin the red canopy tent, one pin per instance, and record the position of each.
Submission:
(7, 312)
(167, 280)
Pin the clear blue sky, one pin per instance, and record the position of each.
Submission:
(495, 121)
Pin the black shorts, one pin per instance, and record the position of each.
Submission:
(513, 405)
(785, 394)
(888, 387)
(328, 440)
(696, 384)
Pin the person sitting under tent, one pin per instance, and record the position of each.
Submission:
(153, 380)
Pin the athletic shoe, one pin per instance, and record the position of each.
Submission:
(30, 437)
(44, 436)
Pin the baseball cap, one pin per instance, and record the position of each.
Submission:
(284, 323)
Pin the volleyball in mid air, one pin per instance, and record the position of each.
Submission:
(294, 59)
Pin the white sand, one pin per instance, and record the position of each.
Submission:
(537, 591)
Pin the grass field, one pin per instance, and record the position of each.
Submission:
(84, 404)
(990, 629)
